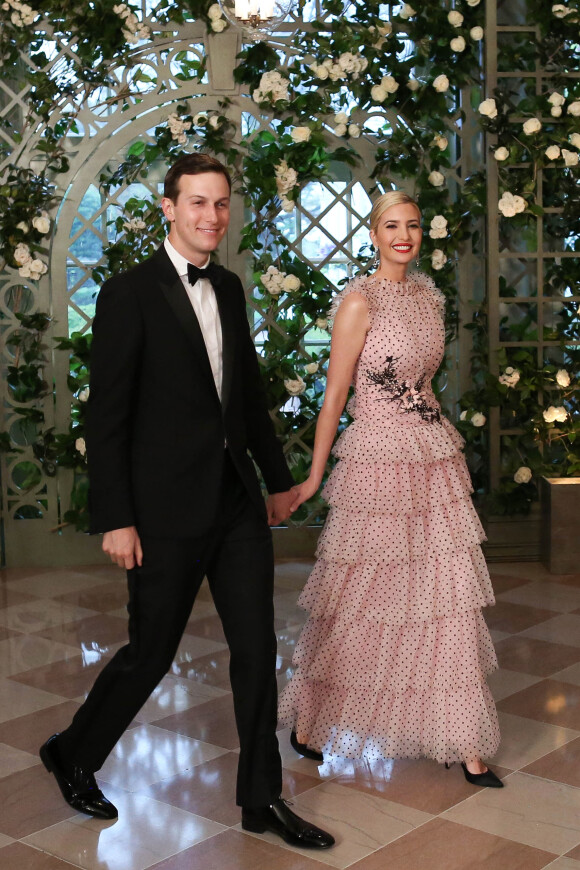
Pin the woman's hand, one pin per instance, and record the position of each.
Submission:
(303, 491)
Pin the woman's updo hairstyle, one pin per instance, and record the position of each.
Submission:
(391, 197)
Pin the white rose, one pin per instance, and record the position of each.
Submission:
(311, 368)
(561, 11)
(501, 153)
(354, 130)
(523, 474)
(413, 84)
(510, 377)
(463, 415)
(301, 134)
(200, 120)
(321, 323)
(288, 205)
(457, 44)
(81, 446)
(532, 125)
(570, 157)
(37, 268)
(84, 394)
(340, 130)
(295, 386)
(320, 71)
(563, 378)
(438, 227)
(476, 33)
(378, 93)
(214, 12)
(218, 25)
(575, 140)
(552, 152)
(385, 28)
(406, 11)
(473, 2)
(22, 226)
(389, 84)
(341, 118)
(556, 99)
(556, 111)
(510, 205)
(437, 179)
(22, 254)
(455, 18)
(574, 108)
(555, 414)
(478, 419)
(438, 259)
(441, 142)
(441, 84)
(488, 108)
(291, 283)
(214, 121)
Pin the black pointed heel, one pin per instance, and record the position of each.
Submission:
(302, 749)
(484, 780)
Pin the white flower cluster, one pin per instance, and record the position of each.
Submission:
(28, 266)
(488, 108)
(215, 15)
(438, 259)
(347, 64)
(300, 134)
(277, 282)
(382, 30)
(509, 377)
(563, 378)
(476, 418)
(380, 92)
(273, 87)
(406, 11)
(523, 474)
(557, 100)
(286, 180)
(178, 128)
(134, 225)
(511, 204)
(441, 141)
(22, 14)
(81, 446)
(295, 386)
(570, 158)
(437, 179)
(342, 126)
(41, 223)
(441, 84)
(562, 11)
(202, 119)
(133, 30)
(311, 368)
(438, 228)
(555, 414)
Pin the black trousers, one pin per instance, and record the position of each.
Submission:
(238, 560)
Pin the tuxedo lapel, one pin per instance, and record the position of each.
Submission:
(175, 293)
(226, 312)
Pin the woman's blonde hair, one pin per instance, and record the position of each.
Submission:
(391, 197)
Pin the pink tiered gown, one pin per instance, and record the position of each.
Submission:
(393, 659)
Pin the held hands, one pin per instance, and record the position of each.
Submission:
(281, 504)
(303, 491)
(124, 547)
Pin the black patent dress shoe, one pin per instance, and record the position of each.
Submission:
(484, 780)
(79, 787)
(303, 749)
(279, 819)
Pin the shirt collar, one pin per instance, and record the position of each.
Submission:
(179, 261)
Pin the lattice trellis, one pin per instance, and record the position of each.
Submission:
(327, 229)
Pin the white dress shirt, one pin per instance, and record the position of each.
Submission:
(202, 297)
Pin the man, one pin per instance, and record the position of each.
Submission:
(176, 403)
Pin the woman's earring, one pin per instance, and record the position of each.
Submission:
(377, 260)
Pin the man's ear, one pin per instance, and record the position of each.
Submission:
(167, 208)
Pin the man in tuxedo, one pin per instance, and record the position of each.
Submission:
(176, 407)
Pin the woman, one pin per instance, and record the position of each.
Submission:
(393, 658)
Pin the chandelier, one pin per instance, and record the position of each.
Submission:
(257, 18)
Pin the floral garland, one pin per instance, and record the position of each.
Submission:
(341, 70)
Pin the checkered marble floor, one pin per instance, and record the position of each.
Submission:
(172, 775)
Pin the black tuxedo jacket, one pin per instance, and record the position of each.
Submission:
(156, 428)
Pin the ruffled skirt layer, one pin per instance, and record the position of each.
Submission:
(394, 657)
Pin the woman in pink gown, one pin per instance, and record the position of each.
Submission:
(393, 659)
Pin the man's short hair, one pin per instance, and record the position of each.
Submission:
(192, 164)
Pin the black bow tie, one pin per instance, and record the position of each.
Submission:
(194, 273)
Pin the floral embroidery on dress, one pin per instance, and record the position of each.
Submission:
(410, 396)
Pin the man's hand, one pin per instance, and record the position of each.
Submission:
(124, 547)
(278, 506)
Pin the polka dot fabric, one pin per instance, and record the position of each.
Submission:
(393, 659)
